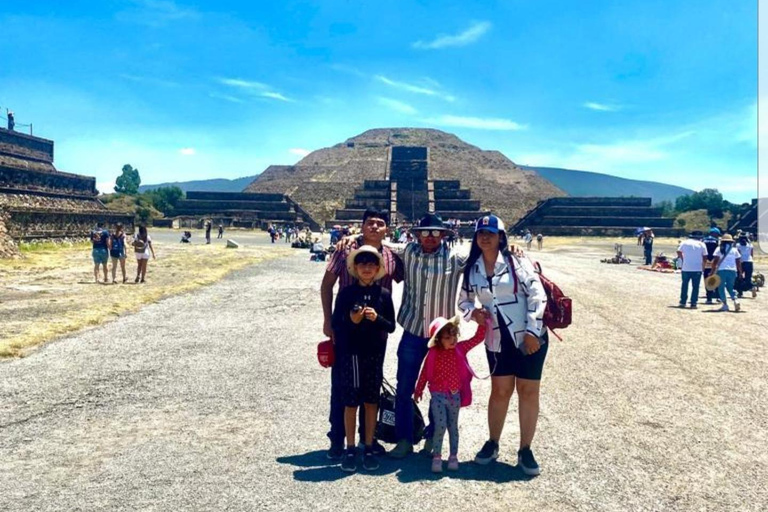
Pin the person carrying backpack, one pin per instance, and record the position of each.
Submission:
(510, 288)
(100, 250)
(142, 247)
(117, 251)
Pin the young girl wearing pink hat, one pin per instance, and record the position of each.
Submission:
(449, 375)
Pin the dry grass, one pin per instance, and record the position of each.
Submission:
(50, 292)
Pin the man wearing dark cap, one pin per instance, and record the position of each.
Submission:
(432, 276)
(693, 253)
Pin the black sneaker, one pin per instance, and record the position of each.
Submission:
(335, 452)
(489, 452)
(377, 447)
(370, 462)
(349, 462)
(527, 463)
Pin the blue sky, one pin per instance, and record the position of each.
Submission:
(644, 89)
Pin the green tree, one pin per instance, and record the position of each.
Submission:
(165, 198)
(128, 182)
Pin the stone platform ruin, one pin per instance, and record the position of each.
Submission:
(408, 191)
(39, 202)
(239, 209)
(596, 216)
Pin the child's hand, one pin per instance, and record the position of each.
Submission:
(357, 317)
(479, 315)
(417, 397)
(370, 314)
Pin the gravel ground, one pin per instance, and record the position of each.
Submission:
(214, 400)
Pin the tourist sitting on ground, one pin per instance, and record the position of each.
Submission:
(661, 262)
(317, 250)
(142, 248)
(449, 376)
(186, 238)
(100, 251)
(117, 251)
(507, 291)
(363, 317)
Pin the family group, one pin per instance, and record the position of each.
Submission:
(490, 286)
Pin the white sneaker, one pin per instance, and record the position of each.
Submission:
(724, 307)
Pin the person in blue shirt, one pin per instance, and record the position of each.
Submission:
(100, 251)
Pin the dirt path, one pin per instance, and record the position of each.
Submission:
(214, 400)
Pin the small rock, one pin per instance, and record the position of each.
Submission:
(231, 244)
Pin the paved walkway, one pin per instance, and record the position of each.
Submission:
(214, 400)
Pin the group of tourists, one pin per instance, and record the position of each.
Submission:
(108, 245)
(491, 286)
(725, 263)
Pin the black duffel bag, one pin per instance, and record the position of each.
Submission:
(385, 426)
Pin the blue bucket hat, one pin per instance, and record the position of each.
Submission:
(489, 223)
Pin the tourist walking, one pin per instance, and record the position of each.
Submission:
(363, 317)
(221, 231)
(528, 238)
(100, 251)
(727, 265)
(208, 232)
(142, 248)
(508, 287)
(747, 266)
(539, 241)
(432, 276)
(710, 242)
(117, 251)
(447, 371)
(374, 230)
(693, 253)
(646, 240)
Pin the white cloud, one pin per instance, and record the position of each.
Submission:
(252, 87)
(299, 151)
(475, 31)
(601, 107)
(397, 106)
(187, 151)
(225, 97)
(243, 84)
(106, 187)
(416, 89)
(480, 123)
(274, 96)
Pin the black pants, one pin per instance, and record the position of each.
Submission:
(711, 295)
(648, 251)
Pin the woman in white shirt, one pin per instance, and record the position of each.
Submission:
(747, 252)
(727, 262)
(512, 299)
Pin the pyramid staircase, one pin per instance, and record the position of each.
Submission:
(407, 192)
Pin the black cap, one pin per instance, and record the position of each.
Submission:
(430, 221)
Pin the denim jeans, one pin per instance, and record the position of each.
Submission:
(410, 355)
(727, 279)
(648, 253)
(694, 278)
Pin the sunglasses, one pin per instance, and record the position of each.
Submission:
(430, 232)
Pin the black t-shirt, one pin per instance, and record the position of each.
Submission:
(366, 337)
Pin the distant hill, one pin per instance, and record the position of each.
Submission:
(214, 185)
(588, 184)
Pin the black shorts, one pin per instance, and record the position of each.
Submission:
(511, 361)
(361, 376)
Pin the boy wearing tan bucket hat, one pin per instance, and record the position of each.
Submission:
(363, 317)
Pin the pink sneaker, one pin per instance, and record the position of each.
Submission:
(437, 464)
(453, 463)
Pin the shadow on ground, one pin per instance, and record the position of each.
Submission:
(316, 467)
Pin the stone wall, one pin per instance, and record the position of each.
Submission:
(47, 181)
(33, 224)
(8, 248)
(52, 202)
(25, 146)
